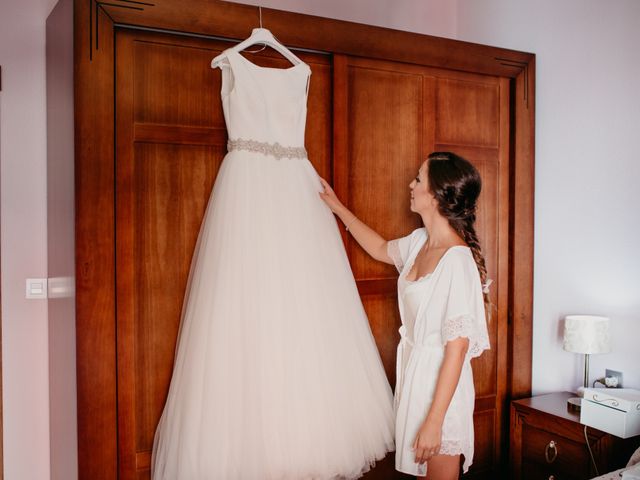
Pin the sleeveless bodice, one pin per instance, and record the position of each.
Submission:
(265, 105)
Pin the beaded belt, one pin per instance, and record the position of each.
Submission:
(274, 149)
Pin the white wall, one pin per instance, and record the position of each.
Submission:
(63, 424)
(587, 222)
(431, 17)
(23, 244)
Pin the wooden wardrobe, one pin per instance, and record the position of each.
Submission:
(150, 137)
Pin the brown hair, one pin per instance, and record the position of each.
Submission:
(456, 185)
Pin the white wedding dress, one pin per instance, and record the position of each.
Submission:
(276, 375)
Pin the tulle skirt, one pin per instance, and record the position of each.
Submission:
(276, 374)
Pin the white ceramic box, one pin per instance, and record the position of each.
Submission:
(612, 410)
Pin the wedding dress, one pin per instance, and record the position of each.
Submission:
(276, 373)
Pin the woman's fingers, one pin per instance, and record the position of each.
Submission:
(328, 196)
(424, 454)
(326, 190)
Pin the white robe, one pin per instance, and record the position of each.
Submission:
(441, 306)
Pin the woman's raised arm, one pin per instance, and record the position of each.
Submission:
(369, 239)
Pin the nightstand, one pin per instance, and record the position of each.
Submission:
(548, 442)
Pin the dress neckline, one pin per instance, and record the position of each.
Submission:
(427, 275)
(258, 67)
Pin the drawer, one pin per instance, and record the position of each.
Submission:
(546, 454)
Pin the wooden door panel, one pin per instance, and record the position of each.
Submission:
(170, 140)
(471, 116)
(484, 424)
(467, 112)
(170, 143)
(172, 186)
(396, 115)
(318, 137)
(488, 150)
(384, 108)
(172, 87)
(384, 319)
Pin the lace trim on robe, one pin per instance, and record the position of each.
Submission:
(453, 447)
(462, 327)
(393, 250)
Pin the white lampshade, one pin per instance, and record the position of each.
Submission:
(586, 334)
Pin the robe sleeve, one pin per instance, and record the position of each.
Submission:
(400, 248)
(464, 313)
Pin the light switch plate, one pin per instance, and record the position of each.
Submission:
(36, 288)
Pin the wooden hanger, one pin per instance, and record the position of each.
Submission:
(259, 35)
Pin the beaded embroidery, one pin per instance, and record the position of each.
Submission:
(274, 149)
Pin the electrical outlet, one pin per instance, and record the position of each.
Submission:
(611, 376)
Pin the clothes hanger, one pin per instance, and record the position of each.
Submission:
(258, 35)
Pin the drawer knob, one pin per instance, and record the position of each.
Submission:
(550, 452)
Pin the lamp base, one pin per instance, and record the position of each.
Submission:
(574, 404)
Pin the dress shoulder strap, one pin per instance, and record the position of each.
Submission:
(227, 59)
(229, 67)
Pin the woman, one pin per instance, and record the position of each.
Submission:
(442, 307)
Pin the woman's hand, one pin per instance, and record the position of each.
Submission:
(372, 242)
(427, 442)
(329, 197)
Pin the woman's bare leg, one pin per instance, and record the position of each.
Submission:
(443, 467)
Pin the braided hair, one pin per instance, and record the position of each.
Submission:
(456, 185)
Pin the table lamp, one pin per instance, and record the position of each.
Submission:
(586, 334)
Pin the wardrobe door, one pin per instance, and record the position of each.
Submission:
(170, 142)
(388, 117)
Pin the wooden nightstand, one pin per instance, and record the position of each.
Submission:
(548, 442)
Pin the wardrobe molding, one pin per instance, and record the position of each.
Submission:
(95, 29)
